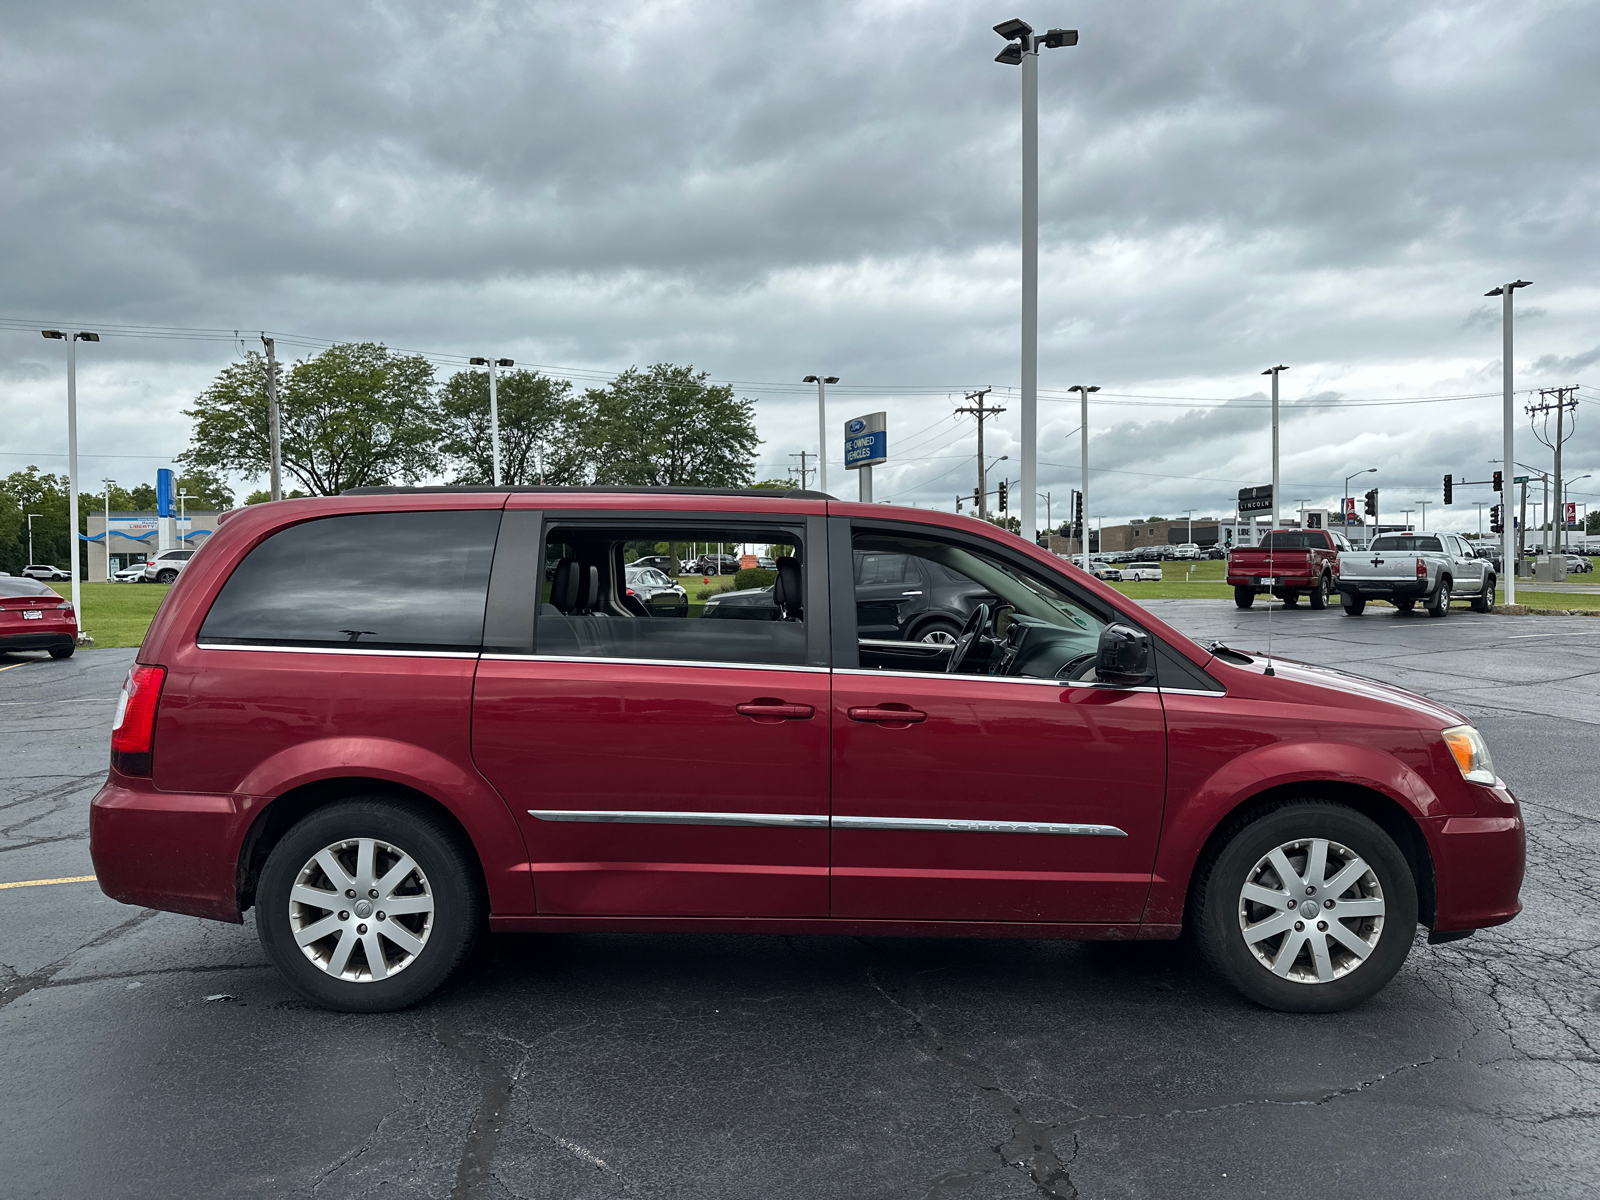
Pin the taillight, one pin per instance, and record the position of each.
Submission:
(66, 604)
(133, 728)
(1422, 569)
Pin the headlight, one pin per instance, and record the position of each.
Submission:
(1471, 753)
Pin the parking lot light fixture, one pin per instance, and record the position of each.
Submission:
(1083, 448)
(72, 341)
(106, 533)
(822, 382)
(31, 516)
(1023, 51)
(1275, 372)
(1508, 427)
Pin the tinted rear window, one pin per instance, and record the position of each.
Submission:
(414, 580)
(1294, 539)
(1417, 545)
(23, 587)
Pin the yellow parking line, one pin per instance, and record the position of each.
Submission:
(45, 882)
(14, 666)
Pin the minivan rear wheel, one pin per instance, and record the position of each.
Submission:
(1309, 908)
(368, 905)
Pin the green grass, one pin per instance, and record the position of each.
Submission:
(116, 614)
(1182, 581)
(1555, 599)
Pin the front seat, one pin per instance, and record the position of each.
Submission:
(788, 592)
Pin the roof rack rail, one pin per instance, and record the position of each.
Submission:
(780, 493)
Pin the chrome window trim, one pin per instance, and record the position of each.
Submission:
(956, 825)
(341, 650)
(643, 817)
(627, 816)
(655, 662)
(863, 671)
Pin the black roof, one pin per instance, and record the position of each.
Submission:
(596, 489)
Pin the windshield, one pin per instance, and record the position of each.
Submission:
(1408, 542)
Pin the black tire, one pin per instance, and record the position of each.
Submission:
(1290, 599)
(1218, 910)
(1318, 596)
(1354, 606)
(166, 576)
(452, 880)
(62, 651)
(1439, 602)
(1244, 597)
(1484, 601)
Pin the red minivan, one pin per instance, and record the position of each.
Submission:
(384, 760)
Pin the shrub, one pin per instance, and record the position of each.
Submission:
(706, 593)
(754, 577)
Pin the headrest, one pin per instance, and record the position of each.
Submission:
(564, 585)
(787, 592)
(591, 589)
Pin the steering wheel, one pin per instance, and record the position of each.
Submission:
(976, 624)
(1073, 668)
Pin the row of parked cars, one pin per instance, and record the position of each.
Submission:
(163, 568)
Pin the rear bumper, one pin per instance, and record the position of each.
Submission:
(40, 639)
(1381, 589)
(1285, 583)
(168, 850)
(1478, 865)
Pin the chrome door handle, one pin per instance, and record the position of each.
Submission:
(775, 710)
(883, 715)
(911, 593)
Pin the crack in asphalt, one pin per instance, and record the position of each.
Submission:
(20, 985)
(475, 1169)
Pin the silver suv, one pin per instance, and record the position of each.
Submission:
(164, 567)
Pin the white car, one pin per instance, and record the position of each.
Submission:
(133, 574)
(44, 571)
(164, 567)
(1142, 573)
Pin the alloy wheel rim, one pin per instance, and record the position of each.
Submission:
(939, 637)
(361, 910)
(1311, 911)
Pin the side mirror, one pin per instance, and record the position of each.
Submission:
(1124, 657)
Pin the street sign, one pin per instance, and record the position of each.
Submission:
(1255, 499)
(866, 441)
(1519, 479)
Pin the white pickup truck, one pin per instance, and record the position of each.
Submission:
(1434, 568)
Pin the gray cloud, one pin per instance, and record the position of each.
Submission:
(765, 189)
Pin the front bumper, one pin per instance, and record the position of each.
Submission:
(168, 850)
(1478, 865)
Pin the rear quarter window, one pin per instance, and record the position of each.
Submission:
(411, 580)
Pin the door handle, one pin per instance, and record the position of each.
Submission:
(885, 715)
(775, 710)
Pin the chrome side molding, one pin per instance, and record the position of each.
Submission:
(627, 816)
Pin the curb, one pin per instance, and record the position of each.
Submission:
(1522, 610)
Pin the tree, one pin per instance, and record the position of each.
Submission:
(33, 492)
(356, 415)
(541, 436)
(667, 426)
(263, 496)
(780, 484)
(1591, 523)
(1010, 524)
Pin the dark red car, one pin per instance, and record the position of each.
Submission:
(384, 761)
(34, 617)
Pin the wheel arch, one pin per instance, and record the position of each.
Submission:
(282, 814)
(938, 616)
(1384, 811)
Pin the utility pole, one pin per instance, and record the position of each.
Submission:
(977, 406)
(1559, 400)
(804, 470)
(31, 516)
(274, 433)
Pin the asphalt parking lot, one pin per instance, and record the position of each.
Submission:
(146, 1054)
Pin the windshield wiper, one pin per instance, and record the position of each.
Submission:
(1220, 650)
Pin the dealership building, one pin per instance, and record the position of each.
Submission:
(137, 537)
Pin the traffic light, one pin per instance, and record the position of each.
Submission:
(1372, 503)
(1495, 523)
(1077, 508)
(977, 500)
(1003, 497)
(1449, 489)
(1497, 481)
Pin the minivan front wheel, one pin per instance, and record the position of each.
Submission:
(368, 905)
(1310, 908)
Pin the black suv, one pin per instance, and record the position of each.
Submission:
(899, 597)
(715, 564)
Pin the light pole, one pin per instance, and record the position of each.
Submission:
(110, 483)
(1505, 291)
(1480, 504)
(183, 497)
(494, 410)
(1083, 446)
(1423, 505)
(1049, 522)
(72, 340)
(822, 426)
(1408, 512)
(1345, 515)
(1022, 50)
(1275, 372)
(983, 484)
(31, 516)
(1189, 537)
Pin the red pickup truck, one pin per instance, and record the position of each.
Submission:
(1300, 561)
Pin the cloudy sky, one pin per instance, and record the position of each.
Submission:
(770, 190)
